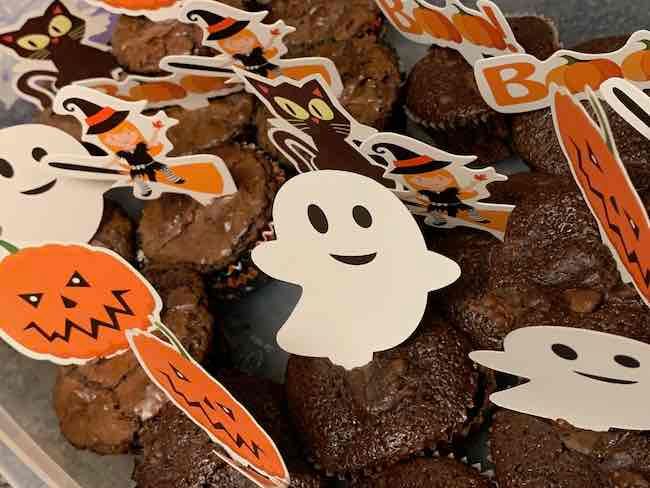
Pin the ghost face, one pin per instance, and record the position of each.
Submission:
(591, 379)
(36, 206)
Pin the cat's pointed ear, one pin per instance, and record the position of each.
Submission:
(8, 39)
(57, 8)
(316, 89)
(261, 86)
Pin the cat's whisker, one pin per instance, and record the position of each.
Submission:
(39, 55)
(81, 29)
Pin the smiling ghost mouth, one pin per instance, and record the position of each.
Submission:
(606, 380)
(41, 189)
(355, 260)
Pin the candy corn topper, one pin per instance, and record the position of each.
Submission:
(135, 149)
(600, 174)
(473, 33)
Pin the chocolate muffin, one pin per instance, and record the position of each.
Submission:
(443, 98)
(429, 473)
(418, 395)
(553, 269)
(215, 240)
(536, 453)
(371, 81)
(101, 406)
(116, 232)
(535, 140)
(175, 452)
(322, 20)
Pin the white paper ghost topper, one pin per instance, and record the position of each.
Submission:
(361, 261)
(592, 380)
(36, 206)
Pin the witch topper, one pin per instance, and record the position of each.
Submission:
(132, 150)
(438, 185)
(248, 44)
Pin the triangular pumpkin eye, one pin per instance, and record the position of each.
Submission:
(77, 281)
(33, 299)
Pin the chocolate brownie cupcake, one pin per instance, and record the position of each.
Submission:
(371, 81)
(533, 453)
(429, 473)
(322, 20)
(177, 453)
(215, 240)
(553, 269)
(418, 395)
(102, 405)
(116, 232)
(443, 98)
(535, 140)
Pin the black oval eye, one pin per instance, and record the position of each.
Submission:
(627, 361)
(565, 352)
(38, 153)
(6, 169)
(318, 218)
(362, 216)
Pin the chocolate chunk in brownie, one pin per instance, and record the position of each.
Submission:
(175, 230)
(322, 20)
(116, 232)
(429, 473)
(175, 452)
(442, 96)
(415, 396)
(200, 129)
(371, 81)
(536, 453)
(102, 405)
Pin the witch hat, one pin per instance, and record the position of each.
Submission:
(408, 162)
(99, 119)
(218, 27)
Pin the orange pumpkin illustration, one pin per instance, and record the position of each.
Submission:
(636, 66)
(203, 84)
(140, 4)
(249, 448)
(478, 31)
(436, 24)
(71, 303)
(160, 91)
(576, 73)
(606, 187)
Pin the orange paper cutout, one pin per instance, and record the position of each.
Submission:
(606, 186)
(248, 447)
(72, 303)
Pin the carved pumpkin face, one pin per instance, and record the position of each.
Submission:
(248, 448)
(607, 188)
(72, 303)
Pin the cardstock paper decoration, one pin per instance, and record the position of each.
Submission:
(473, 33)
(600, 174)
(49, 45)
(156, 10)
(361, 261)
(521, 83)
(71, 304)
(438, 185)
(245, 445)
(310, 126)
(246, 43)
(592, 380)
(630, 102)
(37, 206)
(136, 148)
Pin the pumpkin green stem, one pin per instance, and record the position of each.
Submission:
(173, 340)
(571, 60)
(9, 247)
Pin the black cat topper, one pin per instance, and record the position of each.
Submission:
(57, 36)
(311, 127)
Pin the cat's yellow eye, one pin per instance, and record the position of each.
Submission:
(34, 42)
(60, 26)
(320, 109)
(292, 108)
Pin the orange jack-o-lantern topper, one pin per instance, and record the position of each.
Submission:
(71, 303)
(591, 152)
(248, 447)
